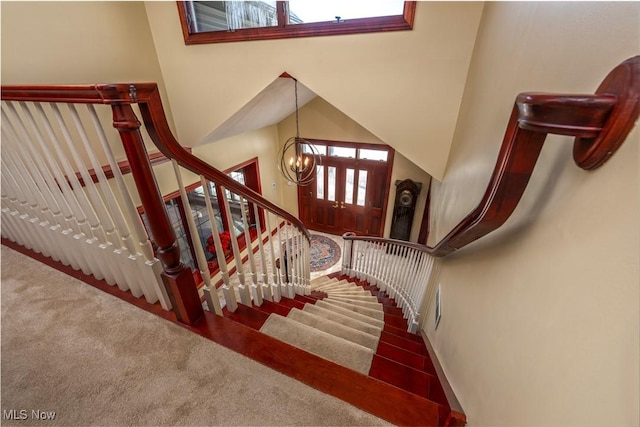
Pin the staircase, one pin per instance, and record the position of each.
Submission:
(355, 325)
(342, 336)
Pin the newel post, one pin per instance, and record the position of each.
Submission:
(177, 278)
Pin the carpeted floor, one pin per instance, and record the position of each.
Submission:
(93, 359)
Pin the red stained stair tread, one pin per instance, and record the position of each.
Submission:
(247, 316)
(401, 376)
(405, 357)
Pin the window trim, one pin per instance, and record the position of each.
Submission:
(282, 31)
(251, 169)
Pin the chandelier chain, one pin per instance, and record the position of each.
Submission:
(295, 86)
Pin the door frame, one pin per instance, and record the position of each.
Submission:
(357, 145)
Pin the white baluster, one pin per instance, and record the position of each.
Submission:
(99, 237)
(289, 253)
(264, 276)
(111, 239)
(414, 280)
(44, 198)
(297, 260)
(28, 236)
(61, 186)
(148, 265)
(245, 295)
(256, 292)
(407, 277)
(275, 281)
(115, 226)
(357, 258)
(201, 260)
(395, 271)
(77, 202)
(346, 257)
(307, 265)
(37, 216)
(282, 288)
(227, 289)
(300, 261)
(378, 265)
(387, 262)
(372, 264)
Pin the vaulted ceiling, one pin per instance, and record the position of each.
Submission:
(269, 107)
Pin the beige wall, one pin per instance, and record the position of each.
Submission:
(321, 120)
(404, 87)
(79, 43)
(540, 320)
(261, 143)
(76, 43)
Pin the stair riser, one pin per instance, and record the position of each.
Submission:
(345, 311)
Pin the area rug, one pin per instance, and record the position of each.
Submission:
(325, 252)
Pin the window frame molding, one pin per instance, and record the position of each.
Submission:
(283, 31)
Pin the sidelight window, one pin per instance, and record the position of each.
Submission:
(362, 187)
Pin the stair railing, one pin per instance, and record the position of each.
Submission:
(46, 208)
(600, 123)
(55, 136)
(401, 269)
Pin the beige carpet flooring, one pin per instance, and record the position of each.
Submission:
(93, 359)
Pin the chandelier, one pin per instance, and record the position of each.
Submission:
(298, 158)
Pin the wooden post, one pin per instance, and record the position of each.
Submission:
(177, 278)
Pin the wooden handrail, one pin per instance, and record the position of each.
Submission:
(158, 128)
(177, 278)
(600, 123)
(147, 96)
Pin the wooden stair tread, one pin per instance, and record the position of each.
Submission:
(247, 316)
(291, 303)
(395, 321)
(269, 307)
(381, 399)
(401, 359)
(402, 332)
(404, 343)
(402, 376)
(406, 357)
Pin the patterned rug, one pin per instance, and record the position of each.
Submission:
(325, 253)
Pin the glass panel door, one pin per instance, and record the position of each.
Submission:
(351, 189)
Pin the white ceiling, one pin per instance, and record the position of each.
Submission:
(273, 104)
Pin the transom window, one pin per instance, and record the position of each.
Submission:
(226, 21)
(350, 152)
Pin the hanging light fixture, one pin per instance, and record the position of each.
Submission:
(298, 158)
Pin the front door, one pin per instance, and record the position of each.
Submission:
(348, 194)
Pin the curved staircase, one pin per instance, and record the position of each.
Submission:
(355, 325)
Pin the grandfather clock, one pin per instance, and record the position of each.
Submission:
(404, 208)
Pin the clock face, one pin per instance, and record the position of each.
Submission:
(405, 198)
